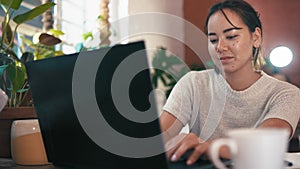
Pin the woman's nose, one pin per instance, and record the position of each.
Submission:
(221, 46)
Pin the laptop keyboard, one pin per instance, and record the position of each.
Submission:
(200, 164)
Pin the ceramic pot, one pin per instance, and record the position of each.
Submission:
(7, 116)
(27, 147)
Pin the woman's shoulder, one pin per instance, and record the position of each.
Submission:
(279, 84)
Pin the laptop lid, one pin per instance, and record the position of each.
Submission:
(121, 131)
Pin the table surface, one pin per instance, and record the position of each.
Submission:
(7, 163)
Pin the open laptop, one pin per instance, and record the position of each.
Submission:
(61, 89)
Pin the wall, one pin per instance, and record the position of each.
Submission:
(280, 19)
(156, 40)
(195, 11)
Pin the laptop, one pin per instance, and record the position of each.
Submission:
(86, 104)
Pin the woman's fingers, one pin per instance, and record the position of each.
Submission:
(189, 143)
(172, 145)
(199, 150)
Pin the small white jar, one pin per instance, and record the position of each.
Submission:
(27, 146)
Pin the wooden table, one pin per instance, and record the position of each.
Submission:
(7, 163)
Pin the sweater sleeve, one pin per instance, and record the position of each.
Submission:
(285, 105)
(179, 102)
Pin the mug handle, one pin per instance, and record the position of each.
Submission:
(215, 147)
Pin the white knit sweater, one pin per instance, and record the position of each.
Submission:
(205, 101)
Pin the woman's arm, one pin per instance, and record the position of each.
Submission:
(276, 123)
(170, 125)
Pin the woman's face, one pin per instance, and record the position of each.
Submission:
(231, 46)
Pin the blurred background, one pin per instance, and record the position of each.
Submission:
(78, 20)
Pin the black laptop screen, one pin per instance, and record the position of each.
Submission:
(66, 141)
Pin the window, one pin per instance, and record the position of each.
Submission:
(75, 18)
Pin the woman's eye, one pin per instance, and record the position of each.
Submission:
(231, 37)
(213, 41)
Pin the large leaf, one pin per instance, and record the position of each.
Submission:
(19, 19)
(15, 4)
(16, 76)
(2, 69)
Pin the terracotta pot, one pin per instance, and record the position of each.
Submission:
(7, 116)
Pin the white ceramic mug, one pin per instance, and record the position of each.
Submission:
(253, 148)
(27, 146)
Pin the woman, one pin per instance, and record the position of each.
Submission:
(235, 94)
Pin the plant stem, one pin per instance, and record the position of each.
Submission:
(11, 44)
(21, 95)
(5, 23)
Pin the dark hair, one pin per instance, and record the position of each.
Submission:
(248, 15)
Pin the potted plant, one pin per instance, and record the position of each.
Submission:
(12, 70)
(168, 69)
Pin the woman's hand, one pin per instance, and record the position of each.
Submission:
(182, 143)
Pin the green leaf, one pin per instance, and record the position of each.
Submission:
(16, 76)
(155, 81)
(56, 32)
(102, 17)
(12, 54)
(2, 69)
(15, 4)
(19, 19)
(86, 35)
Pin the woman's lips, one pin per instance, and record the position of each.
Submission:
(226, 60)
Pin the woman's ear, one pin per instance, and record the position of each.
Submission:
(257, 37)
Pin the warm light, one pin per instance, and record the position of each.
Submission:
(281, 56)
